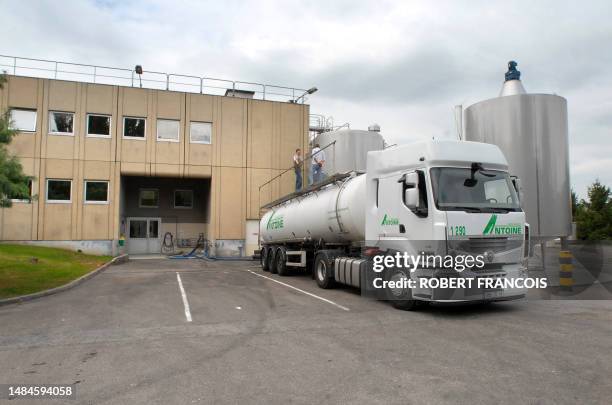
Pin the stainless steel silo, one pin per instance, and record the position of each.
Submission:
(531, 130)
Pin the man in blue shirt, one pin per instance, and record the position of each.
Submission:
(318, 160)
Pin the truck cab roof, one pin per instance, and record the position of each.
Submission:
(433, 153)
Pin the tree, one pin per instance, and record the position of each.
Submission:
(574, 204)
(594, 217)
(13, 183)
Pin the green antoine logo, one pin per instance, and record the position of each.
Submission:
(275, 223)
(509, 229)
(387, 220)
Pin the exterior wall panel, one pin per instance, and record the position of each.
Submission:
(261, 135)
(100, 99)
(96, 220)
(99, 149)
(24, 145)
(62, 95)
(18, 224)
(232, 204)
(57, 223)
(255, 178)
(23, 92)
(233, 127)
(20, 221)
(291, 133)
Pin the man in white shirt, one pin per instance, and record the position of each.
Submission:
(297, 167)
(318, 160)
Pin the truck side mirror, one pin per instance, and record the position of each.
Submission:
(411, 179)
(516, 182)
(411, 198)
(411, 189)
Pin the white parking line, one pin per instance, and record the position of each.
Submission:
(302, 291)
(185, 303)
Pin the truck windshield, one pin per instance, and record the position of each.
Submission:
(473, 190)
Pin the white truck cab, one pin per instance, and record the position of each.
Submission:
(447, 197)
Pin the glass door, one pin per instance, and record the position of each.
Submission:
(144, 235)
(153, 237)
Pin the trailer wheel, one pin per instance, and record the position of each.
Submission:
(323, 270)
(265, 258)
(281, 261)
(401, 298)
(272, 254)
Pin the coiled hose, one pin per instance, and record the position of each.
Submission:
(167, 246)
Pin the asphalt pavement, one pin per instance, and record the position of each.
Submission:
(235, 334)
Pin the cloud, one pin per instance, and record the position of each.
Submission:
(403, 64)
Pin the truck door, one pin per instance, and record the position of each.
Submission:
(397, 220)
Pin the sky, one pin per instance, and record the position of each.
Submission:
(401, 64)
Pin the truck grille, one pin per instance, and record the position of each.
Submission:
(481, 245)
(488, 244)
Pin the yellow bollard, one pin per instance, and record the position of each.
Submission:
(566, 269)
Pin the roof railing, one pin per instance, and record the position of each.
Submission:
(79, 72)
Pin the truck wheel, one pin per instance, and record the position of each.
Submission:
(323, 270)
(265, 258)
(401, 298)
(281, 261)
(272, 261)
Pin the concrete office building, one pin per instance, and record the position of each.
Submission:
(112, 161)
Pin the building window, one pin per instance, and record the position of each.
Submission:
(168, 130)
(148, 198)
(23, 120)
(200, 132)
(96, 192)
(58, 191)
(134, 127)
(98, 125)
(61, 123)
(183, 198)
(23, 198)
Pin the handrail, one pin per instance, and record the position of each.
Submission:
(306, 158)
(291, 168)
(313, 187)
(163, 78)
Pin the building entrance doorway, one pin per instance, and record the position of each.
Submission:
(144, 235)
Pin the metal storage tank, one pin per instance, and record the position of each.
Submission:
(350, 151)
(531, 130)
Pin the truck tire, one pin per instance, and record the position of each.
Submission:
(281, 261)
(265, 258)
(272, 255)
(401, 298)
(323, 270)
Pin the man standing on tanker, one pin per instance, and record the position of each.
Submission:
(297, 167)
(318, 160)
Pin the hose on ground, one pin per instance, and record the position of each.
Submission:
(204, 244)
(192, 255)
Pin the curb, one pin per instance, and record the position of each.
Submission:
(24, 298)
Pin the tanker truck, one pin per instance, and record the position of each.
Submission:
(427, 198)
